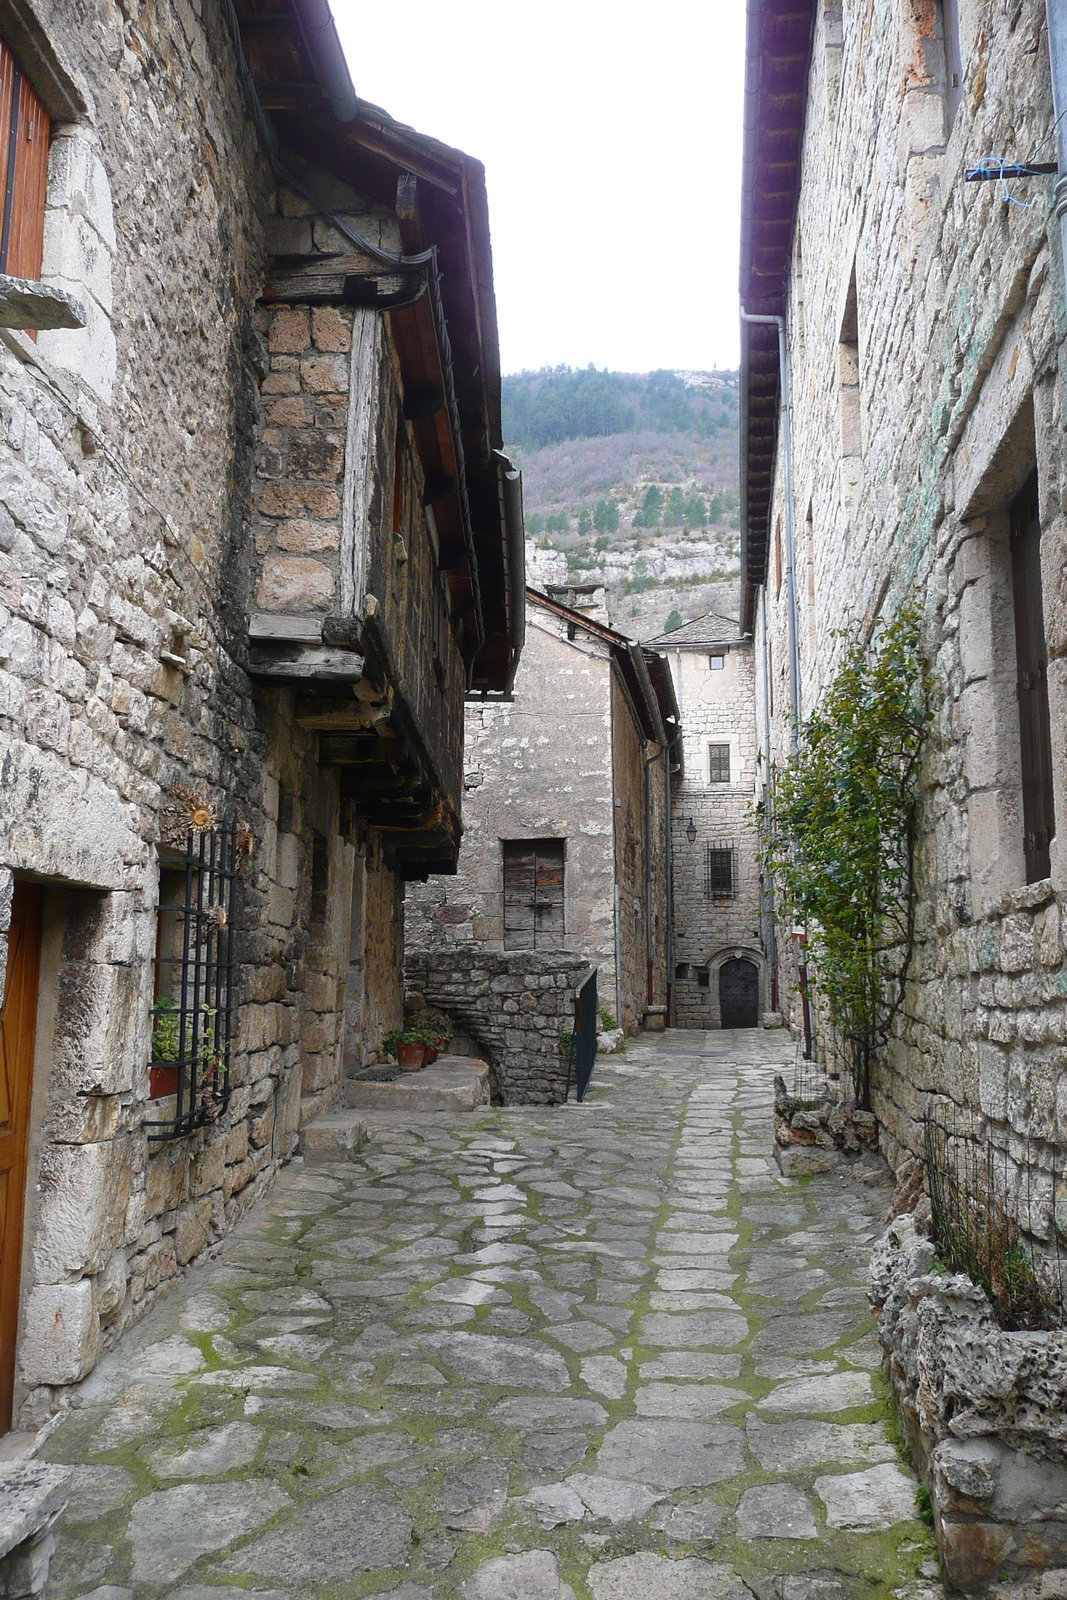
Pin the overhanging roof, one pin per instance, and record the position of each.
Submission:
(777, 62)
(710, 628)
(302, 82)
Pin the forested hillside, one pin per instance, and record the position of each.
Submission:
(630, 479)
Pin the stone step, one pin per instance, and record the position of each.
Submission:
(453, 1083)
(340, 1133)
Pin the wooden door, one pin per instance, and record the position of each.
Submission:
(1035, 733)
(533, 895)
(18, 1017)
(738, 994)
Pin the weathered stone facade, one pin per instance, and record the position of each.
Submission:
(186, 462)
(982, 1411)
(717, 710)
(572, 756)
(513, 1006)
(924, 326)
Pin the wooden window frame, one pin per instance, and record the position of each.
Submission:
(1031, 658)
(25, 128)
(549, 854)
(715, 762)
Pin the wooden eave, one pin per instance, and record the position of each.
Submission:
(778, 59)
(371, 153)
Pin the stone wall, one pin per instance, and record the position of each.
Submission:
(983, 1412)
(146, 464)
(959, 299)
(561, 760)
(513, 1005)
(536, 766)
(717, 708)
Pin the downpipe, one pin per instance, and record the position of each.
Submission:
(787, 488)
(786, 412)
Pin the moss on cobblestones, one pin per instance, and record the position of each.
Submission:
(351, 1297)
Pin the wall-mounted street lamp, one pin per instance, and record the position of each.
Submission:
(691, 831)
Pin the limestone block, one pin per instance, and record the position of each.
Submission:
(330, 330)
(60, 1333)
(290, 330)
(193, 1231)
(111, 1287)
(83, 1192)
(302, 536)
(167, 1182)
(294, 583)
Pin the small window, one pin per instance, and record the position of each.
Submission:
(191, 1007)
(533, 894)
(24, 130)
(716, 663)
(719, 875)
(703, 978)
(718, 763)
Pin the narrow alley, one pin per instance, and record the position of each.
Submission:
(525, 1354)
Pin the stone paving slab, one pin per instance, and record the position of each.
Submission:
(596, 1352)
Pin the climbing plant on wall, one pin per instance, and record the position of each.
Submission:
(840, 842)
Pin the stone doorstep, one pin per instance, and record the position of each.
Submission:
(341, 1133)
(453, 1083)
(33, 1497)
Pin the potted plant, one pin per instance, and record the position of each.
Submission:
(409, 1045)
(435, 1027)
(163, 1066)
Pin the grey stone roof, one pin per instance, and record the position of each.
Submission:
(712, 628)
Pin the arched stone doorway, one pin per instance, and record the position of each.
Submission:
(738, 993)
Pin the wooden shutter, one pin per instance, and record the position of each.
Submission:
(24, 131)
(533, 895)
(1035, 734)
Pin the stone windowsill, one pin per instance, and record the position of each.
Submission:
(27, 303)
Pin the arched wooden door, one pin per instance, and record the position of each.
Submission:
(18, 1020)
(738, 994)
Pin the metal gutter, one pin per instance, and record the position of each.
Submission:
(515, 560)
(786, 436)
(328, 58)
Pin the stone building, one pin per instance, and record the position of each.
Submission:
(565, 813)
(256, 540)
(720, 973)
(908, 441)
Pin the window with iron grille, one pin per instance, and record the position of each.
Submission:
(720, 877)
(718, 763)
(192, 1009)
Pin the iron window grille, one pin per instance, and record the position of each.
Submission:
(720, 875)
(718, 763)
(192, 1014)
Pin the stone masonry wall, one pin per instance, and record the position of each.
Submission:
(982, 1411)
(538, 766)
(126, 471)
(960, 305)
(717, 708)
(514, 1004)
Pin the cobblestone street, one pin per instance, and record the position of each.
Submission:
(525, 1354)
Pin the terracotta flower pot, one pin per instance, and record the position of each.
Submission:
(412, 1057)
(163, 1080)
(431, 1056)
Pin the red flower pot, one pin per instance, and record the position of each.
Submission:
(412, 1057)
(431, 1056)
(162, 1080)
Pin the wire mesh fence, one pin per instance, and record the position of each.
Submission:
(998, 1207)
(819, 1078)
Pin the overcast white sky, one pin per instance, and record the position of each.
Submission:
(611, 137)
